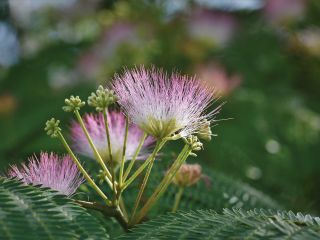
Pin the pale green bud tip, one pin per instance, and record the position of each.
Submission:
(73, 104)
(194, 143)
(52, 127)
(102, 98)
(204, 132)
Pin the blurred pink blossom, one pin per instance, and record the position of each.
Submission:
(284, 11)
(216, 28)
(92, 61)
(215, 74)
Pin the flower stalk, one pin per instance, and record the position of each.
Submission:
(163, 185)
(177, 199)
(94, 149)
(113, 175)
(121, 177)
(82, 170)
(145, 179)
(127, 172)
(143, 166)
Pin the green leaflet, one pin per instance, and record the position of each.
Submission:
(231, 224)
(29, 212)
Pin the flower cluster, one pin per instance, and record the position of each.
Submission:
(156, 108)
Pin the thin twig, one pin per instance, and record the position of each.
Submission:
(106, 211)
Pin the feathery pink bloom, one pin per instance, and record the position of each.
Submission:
(96, 128)
(163, 104)
(50, 170)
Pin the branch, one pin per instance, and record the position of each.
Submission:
(106, 211)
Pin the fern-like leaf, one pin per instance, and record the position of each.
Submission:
(231, 224)
(30, 212)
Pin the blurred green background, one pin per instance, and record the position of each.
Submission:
(262, 55)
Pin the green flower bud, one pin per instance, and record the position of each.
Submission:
(52, 127)
(73, 104)
(102, 98)
(194, 143)
(204, 131)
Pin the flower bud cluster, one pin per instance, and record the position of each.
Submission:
(52, 127)
(102, 98)
(194, 143)
(73, 104)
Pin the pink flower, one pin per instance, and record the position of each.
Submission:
(212, 27)
(50, 170)
(216, 75)
(284, 11)
(188, 175)
(94, 62)
(96, 128)
(162, 104)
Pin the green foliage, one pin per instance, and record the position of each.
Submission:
(28, 212)
(223, 192)
(216, 191)
(232, 224)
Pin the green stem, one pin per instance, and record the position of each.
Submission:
(145, 180)
(123, 207)
(82, 170)
(107, 211)
(93, 147)
(177, 199)
(142, 167)
(105, 117)
(124, 152)
(164, 184)
(135, 156)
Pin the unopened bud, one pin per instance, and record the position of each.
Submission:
(102, 98)
(188, 175)
(73, 104)
(52, 127)
(194, 142)
(204, 131)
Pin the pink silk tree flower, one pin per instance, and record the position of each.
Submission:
(50, 170)
(162, 104)
(97, 130)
